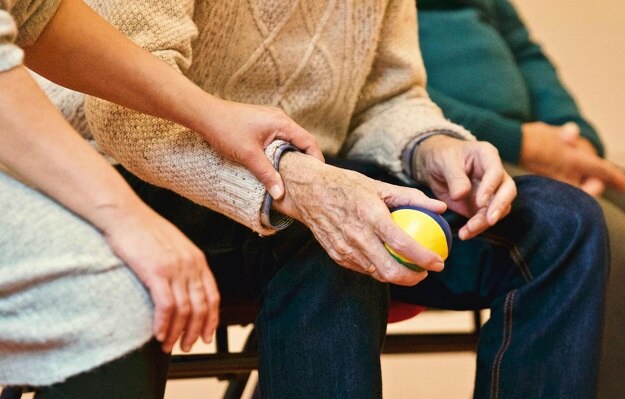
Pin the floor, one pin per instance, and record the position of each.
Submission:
(431, 376)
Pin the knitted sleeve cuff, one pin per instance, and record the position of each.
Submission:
(407, 155)
(269, 217)
(10, 54)
(32, 17)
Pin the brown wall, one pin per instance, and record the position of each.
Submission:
(586, 40)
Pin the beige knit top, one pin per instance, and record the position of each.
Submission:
(350, 72)
(21, 22)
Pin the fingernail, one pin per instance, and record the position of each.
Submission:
(276, 192)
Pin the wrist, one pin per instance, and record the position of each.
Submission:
(297, 170)
(421, 151)
(109, 214)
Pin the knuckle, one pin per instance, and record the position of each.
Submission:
(214, 300)
(184, 309)
(167, 306)
(202, 309)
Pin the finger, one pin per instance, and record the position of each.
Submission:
(164, 304)
(592, 186)
(387, 269)
(569, 133)
(477, 224)
(197, 317)
(491, 181)
(395, 196)
(502, 199)
(602, 169)
(300, 138)
(214, 300)
(390, 233)
(181, 314)
(458, 183)
(263, 169)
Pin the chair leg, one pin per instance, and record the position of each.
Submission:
(11, 393)
(236, 385)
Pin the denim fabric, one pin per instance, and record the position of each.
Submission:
(542, 271)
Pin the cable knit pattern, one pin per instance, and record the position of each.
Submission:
(349, 72)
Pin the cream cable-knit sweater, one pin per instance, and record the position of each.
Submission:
(349, 72)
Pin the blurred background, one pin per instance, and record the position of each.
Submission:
(586, 41)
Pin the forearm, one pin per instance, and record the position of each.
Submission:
(80, 50)
(41, 148)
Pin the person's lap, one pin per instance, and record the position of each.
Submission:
(612, 363)
(67, 303)
(307, 299)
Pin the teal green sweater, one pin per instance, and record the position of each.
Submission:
(486, 73)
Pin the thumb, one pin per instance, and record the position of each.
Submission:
(264, 171)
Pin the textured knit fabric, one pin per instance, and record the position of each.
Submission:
(67, 303)
(349, 72)
(488, 75)
(26, 17)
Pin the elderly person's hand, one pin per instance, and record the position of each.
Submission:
(561, 153)
(349, 215)
(469, 177)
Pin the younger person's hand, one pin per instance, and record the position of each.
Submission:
(241, 132)
(182, 287)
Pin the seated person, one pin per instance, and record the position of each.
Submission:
(499, 84)
(89, 274)
(351, 73)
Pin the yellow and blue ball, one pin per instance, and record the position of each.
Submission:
(427, 228)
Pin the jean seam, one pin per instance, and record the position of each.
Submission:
(515, 254)
(505, 344)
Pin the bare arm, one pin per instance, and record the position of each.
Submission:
(39, 146)
(81, 51)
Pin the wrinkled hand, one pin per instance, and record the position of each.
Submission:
(469, 177)
(184, 292)
(348, 214)
(561, 153)
(241, 132)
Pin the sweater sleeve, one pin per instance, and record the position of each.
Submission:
(394, 108)
(10, 54)
(504, 133)
(550, 100)
(161, 152)
(21, 22)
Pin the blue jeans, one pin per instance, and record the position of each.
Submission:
(541, 271)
